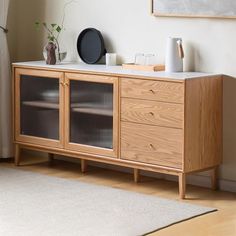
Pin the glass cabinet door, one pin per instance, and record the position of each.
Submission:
(92, 111)
(38, 107)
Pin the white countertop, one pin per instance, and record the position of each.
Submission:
(116, 70)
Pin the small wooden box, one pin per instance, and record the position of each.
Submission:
(132, 66)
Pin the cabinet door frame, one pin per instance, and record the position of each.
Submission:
(18, 137)
(82, 148)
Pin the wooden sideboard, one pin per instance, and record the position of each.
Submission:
(154, 121)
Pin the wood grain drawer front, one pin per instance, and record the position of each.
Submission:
(152, 144)
(152, 112)
(152, 90)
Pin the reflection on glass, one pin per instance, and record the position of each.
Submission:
(39, 107)
(91, 114)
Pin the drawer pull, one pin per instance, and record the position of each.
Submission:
(152, 91)
(151, 113)
(152, 146)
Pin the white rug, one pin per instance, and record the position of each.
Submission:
(32, 204)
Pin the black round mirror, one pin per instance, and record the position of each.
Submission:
(90, 46)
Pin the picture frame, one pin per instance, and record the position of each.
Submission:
(194, 9)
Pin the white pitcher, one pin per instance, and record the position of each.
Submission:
(174, 55)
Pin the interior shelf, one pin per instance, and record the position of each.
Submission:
(92, 108)
(94, 111)
(81, 108)
(42, 104)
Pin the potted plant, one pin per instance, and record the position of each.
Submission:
(53, 32)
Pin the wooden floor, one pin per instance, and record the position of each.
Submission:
(222, 222)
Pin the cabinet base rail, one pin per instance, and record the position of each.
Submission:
(136, 166)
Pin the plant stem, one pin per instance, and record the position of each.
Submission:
(62, 26)
(58, 49)
(64, 12)
(49, 31)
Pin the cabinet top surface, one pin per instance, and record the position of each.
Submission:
(111, 70)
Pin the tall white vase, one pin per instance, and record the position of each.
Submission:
(174, 55)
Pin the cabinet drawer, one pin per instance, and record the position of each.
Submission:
(152, 90)
(152, 144)
(152, 112)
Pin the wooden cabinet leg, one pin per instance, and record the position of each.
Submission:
(50, 158)
(17, 154)
(182, 185)
(84, 166)
(214, 178)
(136, 175)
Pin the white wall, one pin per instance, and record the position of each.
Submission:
(128, 28)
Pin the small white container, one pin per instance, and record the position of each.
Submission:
(111, 59)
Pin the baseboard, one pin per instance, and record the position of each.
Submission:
(205, 181)
(7, 160)
(196, 180)
(228, 185)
